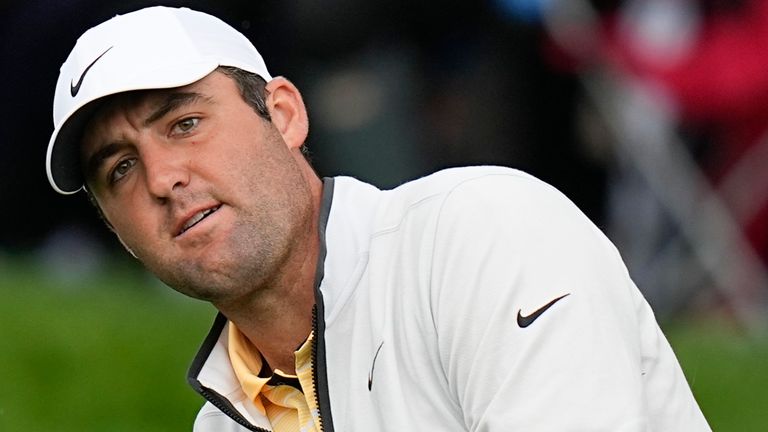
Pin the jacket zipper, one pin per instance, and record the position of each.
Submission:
(313, 364)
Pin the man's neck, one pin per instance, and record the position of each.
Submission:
(277, 319)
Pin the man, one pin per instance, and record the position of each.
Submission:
(474, 299)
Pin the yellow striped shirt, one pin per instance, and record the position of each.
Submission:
(287, 408)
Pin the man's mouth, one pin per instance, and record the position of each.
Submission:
(197, 218)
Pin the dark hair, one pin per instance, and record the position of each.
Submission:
(253, 89)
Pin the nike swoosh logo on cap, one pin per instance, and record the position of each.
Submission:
(75, 88)
(525, 321)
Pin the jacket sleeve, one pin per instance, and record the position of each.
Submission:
(505, 247)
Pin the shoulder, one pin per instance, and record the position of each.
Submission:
(464, 190)
(480, 185)
(450, 179)
(480, 193)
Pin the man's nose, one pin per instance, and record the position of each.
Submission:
(166, 169)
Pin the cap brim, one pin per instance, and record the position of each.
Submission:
(63, 164)
(63, 158)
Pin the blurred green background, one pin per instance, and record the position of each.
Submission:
(105, 354)
(110, 353)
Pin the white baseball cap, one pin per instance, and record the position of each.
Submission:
(152, 48)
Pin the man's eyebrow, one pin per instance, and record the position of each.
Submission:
(172, 101)
(96, 160)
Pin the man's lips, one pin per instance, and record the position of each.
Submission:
(194, 218)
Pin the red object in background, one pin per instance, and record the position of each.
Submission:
(720, 84)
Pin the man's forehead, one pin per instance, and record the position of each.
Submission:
(124, 101)
(153, 103)
(126, 105)
(140, 103)
(149, 105)
(137, 100)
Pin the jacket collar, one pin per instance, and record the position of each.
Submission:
(347, 213)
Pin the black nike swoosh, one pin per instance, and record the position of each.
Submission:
(75, 88)
(525, 321)
(370, 375)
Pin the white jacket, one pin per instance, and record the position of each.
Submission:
(432, 316)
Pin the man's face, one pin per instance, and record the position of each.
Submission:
(206, 193)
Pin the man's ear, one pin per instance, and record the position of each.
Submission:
(289, 115)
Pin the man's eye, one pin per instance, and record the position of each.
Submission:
(186, 125)
(121, 169)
